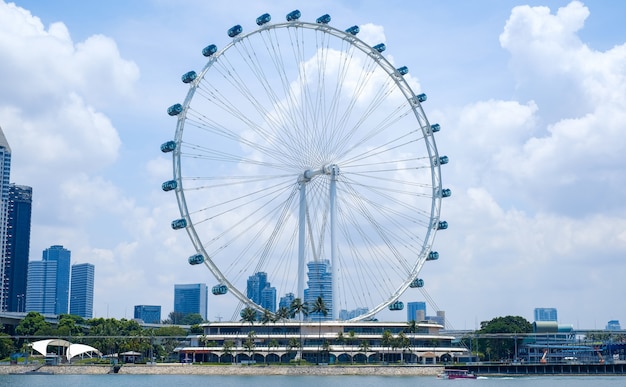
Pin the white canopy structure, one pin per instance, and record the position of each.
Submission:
(73, 350)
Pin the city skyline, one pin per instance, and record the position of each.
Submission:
(529, 95)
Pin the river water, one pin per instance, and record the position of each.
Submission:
(301, 381)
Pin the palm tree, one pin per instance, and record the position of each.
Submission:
(282, 315)
(228, 347)
(250, 345)
(412, 329)
(403, 343)
(319, 308)
(351, 338)
(364, 346)
(341, 340)
(386, 341)
(248, 314)
(300, 309)
(272, 344)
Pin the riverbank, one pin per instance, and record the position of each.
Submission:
(191, 369)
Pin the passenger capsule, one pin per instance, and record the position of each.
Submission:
(397, 305)
(417, 283)
(443, 160)
(353, 30)
(179, 223)
(324, 19)
(169, 185)
(293, 15)
(446, 193)
(219, 289)
(234, 31)
(403, 70)
(196, 259)
(380, 47)
(421, 97)
(175, 109)
(209, 50)
(432, 256)
(442, 225)
(435, 128)
(168, 146)
(189, 77)
(263, 19)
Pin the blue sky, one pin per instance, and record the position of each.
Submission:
(530, 95)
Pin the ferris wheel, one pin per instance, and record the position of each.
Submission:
(303, 157)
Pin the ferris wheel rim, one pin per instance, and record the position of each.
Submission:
(402, 85)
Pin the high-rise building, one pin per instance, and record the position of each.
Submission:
(261, 291)
(149, 314)
(545, 314)
(345, 314)
(17, 246)
(191, 298)
(81, 291)
(320, 283)
(61, 256)
(5, 172)
(48, 284)
(286, 300)
(41, 287)
(416, 311)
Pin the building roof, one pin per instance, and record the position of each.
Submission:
(73, 350)
(3, 141)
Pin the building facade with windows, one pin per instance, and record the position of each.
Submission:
(320, 284)
(191, 298)
(41, 287)
(17, 246)
(5, 174)
(149, 314)
(546, 314)
(48, 284)
(81, 291)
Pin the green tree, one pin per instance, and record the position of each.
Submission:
(502, 347)
(7, 346)
(70, 325)
(174, 318)
(341, 340)
(34, 324)
(228, 347)
(300, 309)
(351, 339)
(248, 315)
(191, 319)
(250, 345)
(319, 309)
(364, 346)
(272, 344)
(386, 341)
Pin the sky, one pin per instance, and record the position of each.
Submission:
(530, 95)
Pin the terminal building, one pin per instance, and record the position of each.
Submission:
(329, 342)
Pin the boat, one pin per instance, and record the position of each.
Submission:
(456, 374)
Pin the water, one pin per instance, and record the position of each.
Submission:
(302, 381)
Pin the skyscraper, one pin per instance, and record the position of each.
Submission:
(150, 314)
(261, 292)
(48, 286)
(416, 311)
(286, 300)
(320, 284)
(545, 314)
(41, 287)
(17, 246)
(81, 291)
(5, 172)
(191, 298)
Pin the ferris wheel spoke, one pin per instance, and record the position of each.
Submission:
(300, 144)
